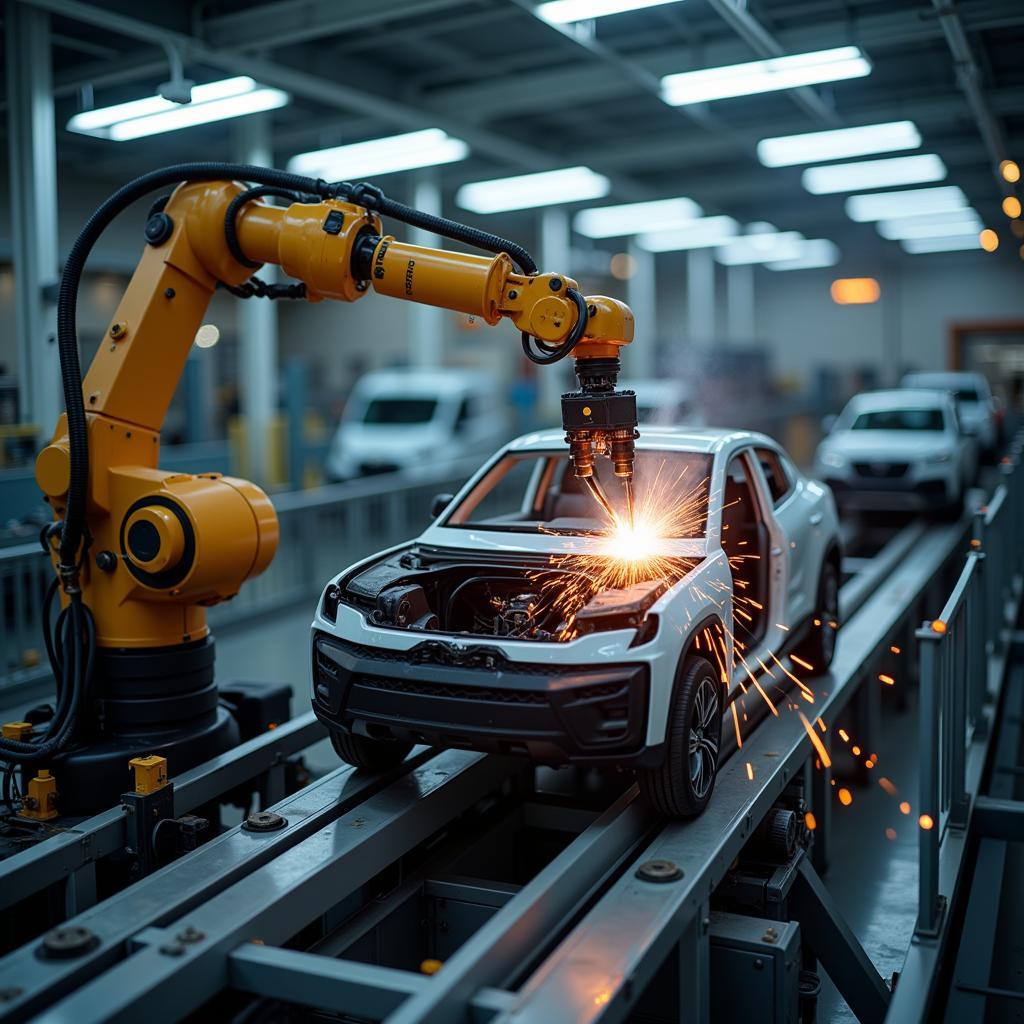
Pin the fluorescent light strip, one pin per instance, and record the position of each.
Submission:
(909, 202)
(563, 12)
(917, 246)
(764, 76)
(900, 170)
(934, 225)
(814, 253)
(90, 121)
(700, 234)
(526, 191)
(426, 148)
(814, 147)
(634, 218)
(761, 248)
(188, 115)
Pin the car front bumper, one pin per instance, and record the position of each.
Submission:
(554, 714)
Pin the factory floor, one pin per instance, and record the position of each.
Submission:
(873, 878)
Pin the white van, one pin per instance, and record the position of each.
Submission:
(417, 421)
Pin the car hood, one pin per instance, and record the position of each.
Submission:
(872, 445)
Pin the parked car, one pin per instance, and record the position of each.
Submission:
(979, 412)
(416, 421)
(664, 403)
(517, 624)
(900, 449)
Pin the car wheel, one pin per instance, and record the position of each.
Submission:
(369, 754)
(681, 786)
(819, 648)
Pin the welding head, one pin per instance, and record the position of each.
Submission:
(599, 420)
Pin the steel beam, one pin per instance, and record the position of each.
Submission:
(32, 161)
(164, 978)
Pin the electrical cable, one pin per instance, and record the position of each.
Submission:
(552, 354)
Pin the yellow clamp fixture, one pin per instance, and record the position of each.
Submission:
(40, 803)
(150, 773)
(20, 731)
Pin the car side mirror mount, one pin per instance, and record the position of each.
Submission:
(439, 504)
(827, 423)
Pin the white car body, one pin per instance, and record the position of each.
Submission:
(800, 533)
(975, 404)
(416, 421)
(903, 468)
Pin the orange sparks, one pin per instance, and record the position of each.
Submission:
(820, 724)
(888, 680)
(779, 625)
(938, 626)
(750, 771)
(736, 722)
(810, 821)
(869, 763)
(801, 662)
(816, 742)
(844, 735)
(925, 821)
(904, 807)
(887, 786)
(890, 833)
(856, 751)
(845, 797)
(894, 649)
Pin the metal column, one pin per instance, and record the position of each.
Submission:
(640, 358)
(700, 295)
(739, 298)
(555, 251)
(32, 152)
(426, 333)
(257, 326)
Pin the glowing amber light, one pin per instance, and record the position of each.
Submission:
(1010, 171)
(1011, 206)
(845, 797)
(890, 833)
(989, 240)
(887, 785)
(622, 266)
(810, 821)
(938, 626)
(888, 680)
(904, 807)
(925, 821)
(855, 291)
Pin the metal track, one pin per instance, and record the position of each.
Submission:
(580, 940)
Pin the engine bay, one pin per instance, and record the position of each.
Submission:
(429, 591)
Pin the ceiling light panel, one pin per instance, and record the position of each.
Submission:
(769, 75)
(525, 191)
(864, 174)
(427, 148)
(952, 243)
(761, 248)
(635, 218)
(700, 234)
(564, 12)
(931, 225)
(907, 203)
(814, 253)
(815, 147)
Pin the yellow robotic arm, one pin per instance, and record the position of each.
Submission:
(163, 546)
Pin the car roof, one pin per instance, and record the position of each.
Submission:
(900, 398)
(944, 378)
(707, 440)
(424, 382)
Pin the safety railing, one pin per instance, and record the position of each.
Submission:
(961, 655)
(322, 531)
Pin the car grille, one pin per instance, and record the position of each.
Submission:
(881, 470)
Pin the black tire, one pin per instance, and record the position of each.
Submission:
(818, 648)
(368, 754)
(682, 785)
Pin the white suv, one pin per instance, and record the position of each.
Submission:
(500, 629)
(898, 450)
(975, 405)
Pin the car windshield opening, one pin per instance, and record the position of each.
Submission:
(400, 410)
(900, 419)
(537, 492)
